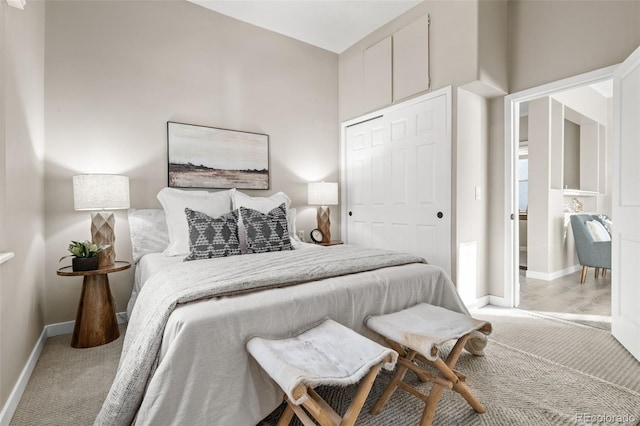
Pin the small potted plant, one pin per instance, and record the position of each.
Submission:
(85, 255)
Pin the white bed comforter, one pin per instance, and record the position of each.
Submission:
(190, 363)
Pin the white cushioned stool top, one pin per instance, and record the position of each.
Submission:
(424, 326)
(328, 354)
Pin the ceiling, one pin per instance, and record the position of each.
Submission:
(333, 25)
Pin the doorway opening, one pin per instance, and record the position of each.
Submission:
(559, 155)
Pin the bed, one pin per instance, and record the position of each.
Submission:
(193, 368)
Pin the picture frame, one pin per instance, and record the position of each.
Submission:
(216, 158)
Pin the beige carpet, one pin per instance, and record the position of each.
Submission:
(68, 386)
(537, 371)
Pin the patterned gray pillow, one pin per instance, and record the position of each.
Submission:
(209, 237)
(266, 232)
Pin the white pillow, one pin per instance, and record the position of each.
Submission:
(149, 233)
(598, 231)
(174, 201)
(262, 204)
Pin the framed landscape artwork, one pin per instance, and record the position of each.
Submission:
(208, 157)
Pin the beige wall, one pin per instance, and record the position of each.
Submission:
(22, 278)
(471, 171)
(552, 40)
(493, 45)
(539, 174)
(524, 128)
(116, 72)
(498, 219)
(571, 169)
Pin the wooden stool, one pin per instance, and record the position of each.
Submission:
(329, 354)
(415, 333)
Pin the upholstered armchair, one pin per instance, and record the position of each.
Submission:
(591, 252)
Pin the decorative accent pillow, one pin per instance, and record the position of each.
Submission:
(263, 205)
(174, 201)
(149, 232)
(209, 237)
(598, 231)
(266, 232)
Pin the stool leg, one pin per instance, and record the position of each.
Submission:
(392, 386)
(361, 396)
(446, 369)
(459, 386)
(465, 392)
(320, 411)
(286, 416)
(431, 405)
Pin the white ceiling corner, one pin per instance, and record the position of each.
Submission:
(333, 25)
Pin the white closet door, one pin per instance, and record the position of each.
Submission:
(398, 170)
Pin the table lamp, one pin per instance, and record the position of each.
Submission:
(102, 192)
(323, 194)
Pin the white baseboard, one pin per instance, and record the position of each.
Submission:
(478, 303)
(550, 276)
(499, 301)
(18, 389)
(14, 398)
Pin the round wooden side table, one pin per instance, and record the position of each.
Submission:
(96, 322)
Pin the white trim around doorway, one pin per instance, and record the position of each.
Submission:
(511, 131)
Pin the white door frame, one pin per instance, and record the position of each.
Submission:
(343, 149)
(511, 131)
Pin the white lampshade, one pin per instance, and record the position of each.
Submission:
(100, 192)
(323, 194)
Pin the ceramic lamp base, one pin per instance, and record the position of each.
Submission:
(102, 232)
(324, 224)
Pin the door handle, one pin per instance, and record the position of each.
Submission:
(440, 215)
(350, 213)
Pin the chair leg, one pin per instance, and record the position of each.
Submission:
(604, 272)
(583, 278)
(597, 272)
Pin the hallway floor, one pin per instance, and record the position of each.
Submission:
(566, 298)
